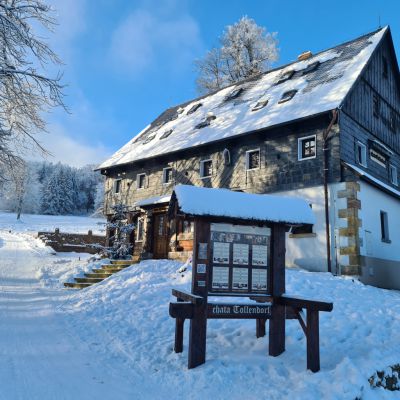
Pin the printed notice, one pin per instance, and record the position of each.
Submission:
(241, 253)
(220, 278)
(240, 279)
(259, 279)
(201, 268)
(260, 255)
(202, 255)
(221, 253)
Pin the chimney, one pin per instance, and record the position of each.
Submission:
(304, 56)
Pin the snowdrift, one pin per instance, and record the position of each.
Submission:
(127, 315)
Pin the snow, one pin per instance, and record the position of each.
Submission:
(153, 200)
(234, 118)
(194, 200)
(114, 340)
(48, 223)
(373, 179)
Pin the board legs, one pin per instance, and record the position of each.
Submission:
(197, 337)
(313, 361)
(260, 327)
(277, 330)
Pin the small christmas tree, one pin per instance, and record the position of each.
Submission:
(120, 241)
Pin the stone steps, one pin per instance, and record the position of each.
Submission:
(99, 274)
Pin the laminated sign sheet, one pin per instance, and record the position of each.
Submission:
(239, 258)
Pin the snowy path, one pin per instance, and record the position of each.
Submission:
(40, 357)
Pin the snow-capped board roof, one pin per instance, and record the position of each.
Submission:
(201, 201)
(319, 84)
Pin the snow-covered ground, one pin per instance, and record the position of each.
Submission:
(114, 340)
(66, 223)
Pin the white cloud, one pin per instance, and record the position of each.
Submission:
(68, 150)
(144, 39)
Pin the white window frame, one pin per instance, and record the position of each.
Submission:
(138, 180)
(141, 221)
(248, 159)
(115, 186)
(393, 175)
(299, 147)
(363, 161)
(202, 162)
(164, 176)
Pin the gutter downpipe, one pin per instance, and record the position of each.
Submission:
(326, 197)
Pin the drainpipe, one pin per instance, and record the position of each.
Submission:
(326, 170)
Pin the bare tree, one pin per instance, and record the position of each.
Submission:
(246, 50)
(25, 92)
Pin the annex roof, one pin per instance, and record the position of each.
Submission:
(200, 201)
(298, 90)
(153, 201)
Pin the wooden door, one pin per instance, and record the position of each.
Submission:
(160, 236)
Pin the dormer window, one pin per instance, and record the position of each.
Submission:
(210, 117)
(149, 139)
(234, 94)
(285, 76)
(260, 104)
(311, 67)
(166, 134)
(287, 96)
(194, 108)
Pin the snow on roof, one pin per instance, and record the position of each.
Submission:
(194, 200)
(153, 200)
(321, 89)
(376, 181)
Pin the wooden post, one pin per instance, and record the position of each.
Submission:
(313, 362)
(198, 324)
(260, 327)
(277, 288)
(179, 323)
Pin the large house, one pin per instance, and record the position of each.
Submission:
(325, 128)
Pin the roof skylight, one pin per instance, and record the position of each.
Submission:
(260, 104)
(285, 76)
(287, 96)
(148, 139)
(210, 117)
(194, 108)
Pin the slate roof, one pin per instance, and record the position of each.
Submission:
(318, 84)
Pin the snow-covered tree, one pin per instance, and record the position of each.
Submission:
(246, 50)
(25, 91)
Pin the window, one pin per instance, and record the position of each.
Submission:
(384, 67)
(307, 148)
(139, 230)
(392, 122)
(117, 185)
(141, 180)
(287, 96)
(205, 168)
(376, 105)
(285, 76)
(227, 157)
(384, 227)
(310, 67)
(194, 108)
(149, 139)
(166, 134)
(393, 174)
(253, 159)
(378, 157)
(167, 175)
(234, 94)
(260, 104)
(361, 154)
(187, 226)
(302, 230)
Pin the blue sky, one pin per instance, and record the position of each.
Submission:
(127, 61)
